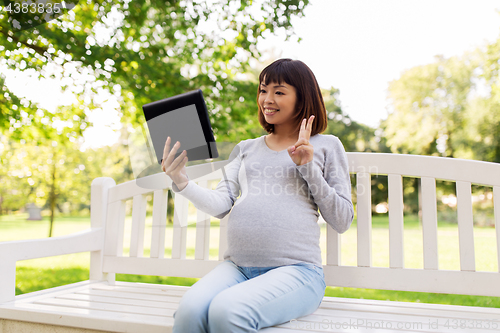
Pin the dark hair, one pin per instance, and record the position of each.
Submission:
(309, 99)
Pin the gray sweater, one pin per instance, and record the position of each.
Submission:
(274, 222)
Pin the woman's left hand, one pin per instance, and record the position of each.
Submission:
(302, 151)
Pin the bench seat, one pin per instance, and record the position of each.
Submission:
(98, 306)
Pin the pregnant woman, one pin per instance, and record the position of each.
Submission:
(272, 269)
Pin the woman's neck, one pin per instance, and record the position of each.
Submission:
(283, 137)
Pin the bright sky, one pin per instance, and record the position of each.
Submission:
(359, 46)
(356, 46)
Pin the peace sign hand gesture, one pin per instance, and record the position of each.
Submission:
(302, 151)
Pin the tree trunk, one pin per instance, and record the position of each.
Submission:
(418, 185)
(52, 197)
(496, 155)
(170, 209)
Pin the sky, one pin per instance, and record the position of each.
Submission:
(356, 46)
(359, 46)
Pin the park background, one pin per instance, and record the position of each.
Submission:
(72, 91)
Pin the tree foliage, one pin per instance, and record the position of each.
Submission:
(486, 125)
(429, 104)
(146, 50)
(356, 137)
(135, 52)
(450, 107)
(56, 175)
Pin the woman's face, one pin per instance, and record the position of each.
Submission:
(277, 102)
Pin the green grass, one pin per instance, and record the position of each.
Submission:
(16, 227)
(50, 272)
(31, 279)
(406, 296)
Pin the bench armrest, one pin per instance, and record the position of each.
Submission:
(85, 241)
(89, 240)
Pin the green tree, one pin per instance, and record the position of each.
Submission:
(355, 136)
(449, 108)
(138, 52)
(56, 174)
(13, 191)
(484, 112)
(146, 50)
(428, 104)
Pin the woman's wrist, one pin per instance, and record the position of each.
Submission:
(181, 184)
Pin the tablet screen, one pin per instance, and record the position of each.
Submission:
(190, 134)
(183, 118)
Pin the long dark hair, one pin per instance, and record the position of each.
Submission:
(309, 99)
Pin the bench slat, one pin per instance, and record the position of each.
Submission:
(286, 328)
(120, 300)
(465, 226)
(496, 208)
(421, 280)
(405, 309)
(159, 267)
(56, 291)
(355, 321)
(99, 203)
(396, 226)
(364, 219)
(154, 286)
(223, 237)
(429, 223)
(115, 229)
(205, 171)
(444, 168)
(202, 249)
(332, 246)
(469, 311)
(8, 281)
(133, 289)
(90, 319)
(159, 224)
(179, 233)
(129, 296)
(107, 307)
(138, 225)
(368, 318)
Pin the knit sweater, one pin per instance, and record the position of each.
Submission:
(273, 203)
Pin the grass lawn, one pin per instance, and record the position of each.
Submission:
(45, 273)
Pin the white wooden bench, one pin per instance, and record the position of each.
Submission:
(103, 304)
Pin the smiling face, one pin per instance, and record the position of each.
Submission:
(291, 87)
(277, 102)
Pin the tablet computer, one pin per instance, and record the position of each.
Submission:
(185, 119)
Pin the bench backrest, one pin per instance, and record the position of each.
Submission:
(364, 275)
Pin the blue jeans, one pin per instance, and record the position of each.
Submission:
(232, 299)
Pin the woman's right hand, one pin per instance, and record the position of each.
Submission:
(175, 169)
